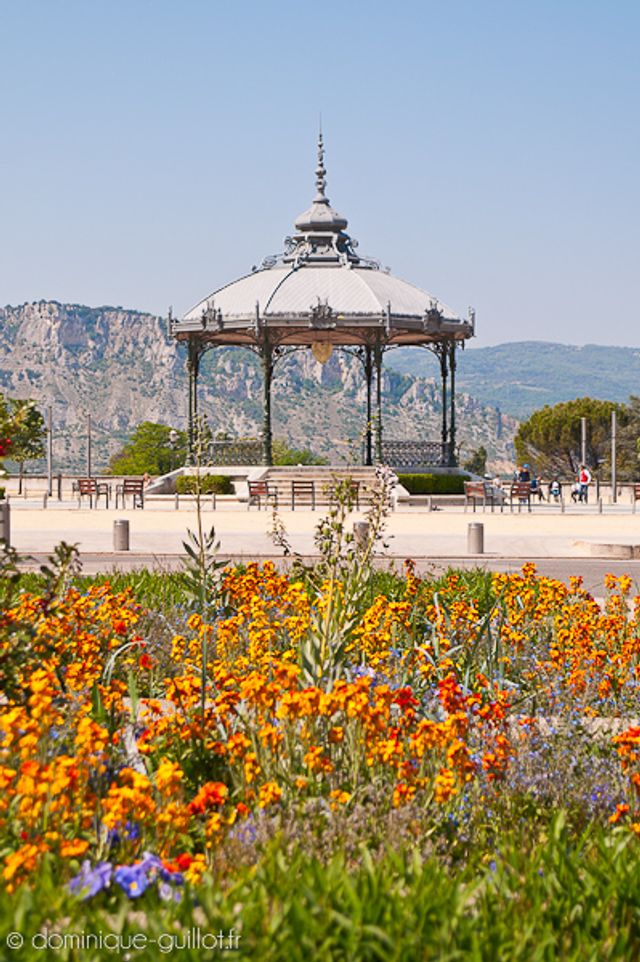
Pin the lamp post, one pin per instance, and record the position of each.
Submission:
(173, 444)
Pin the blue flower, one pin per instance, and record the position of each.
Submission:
(168, 893)
(131, 832)
(91, 880)
(132, 879)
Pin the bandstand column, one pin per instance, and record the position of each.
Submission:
(377, 362)
(452, 408)
(193, 369)
(266, 356)
(368, 374)
(443, 354)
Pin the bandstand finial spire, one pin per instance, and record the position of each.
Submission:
(321, 172)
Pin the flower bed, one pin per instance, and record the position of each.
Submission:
(149, 755)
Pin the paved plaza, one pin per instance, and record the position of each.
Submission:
(578, 541)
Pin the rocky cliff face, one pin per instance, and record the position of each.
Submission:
(121, 368)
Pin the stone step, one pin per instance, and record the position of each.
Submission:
(324, 479)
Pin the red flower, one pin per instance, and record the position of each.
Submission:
(211, 793)
(404, 697)
(146, 661)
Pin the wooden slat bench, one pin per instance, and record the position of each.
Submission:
(520, 492)
(90, 488)
(260, 491)
(304, 493)
(484, 492)
(133, 487)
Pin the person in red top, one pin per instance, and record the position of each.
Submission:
(584, 479)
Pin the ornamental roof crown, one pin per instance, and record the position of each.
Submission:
(321, 229)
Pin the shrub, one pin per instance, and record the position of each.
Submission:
(209, 484)
(433, 483)
(149, 451)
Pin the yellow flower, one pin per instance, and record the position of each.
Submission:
(269, 794)
(168, 777)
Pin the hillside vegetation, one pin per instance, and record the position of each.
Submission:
(521, 377)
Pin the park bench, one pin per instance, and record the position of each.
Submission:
(304, 493)
(259, 491)
(133, 487)
(350, 489)
(483, 492)
(90, 488)
(520, 492)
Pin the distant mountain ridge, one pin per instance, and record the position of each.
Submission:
(522, 376)
(120, 367)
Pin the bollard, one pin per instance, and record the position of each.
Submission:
(59, 482)
(45, 498)
(361, 533)
(599, 505)
(5, 523)
(561, 505)
(475, 538)
(120, 535)
(177, 502)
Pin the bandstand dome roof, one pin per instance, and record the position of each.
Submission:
(321, 289)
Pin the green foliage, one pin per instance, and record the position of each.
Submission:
(534, 894)
(205, 484)
(551, 438)
(283, 455)
(628, 442)
(433, 483)
(53, 581)
(477, 463)
(27, 431)
(23, 425)
(149, 451)
(342, 576)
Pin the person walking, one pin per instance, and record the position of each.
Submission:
(584, 479)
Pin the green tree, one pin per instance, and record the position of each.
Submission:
(551, 438)
(23, 426)
(283, 454)
(477, 463)
(628, 441)
(29, 434)
(149, 451)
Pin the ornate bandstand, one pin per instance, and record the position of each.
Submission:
(321, 295)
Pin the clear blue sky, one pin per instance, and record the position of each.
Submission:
(153, 150)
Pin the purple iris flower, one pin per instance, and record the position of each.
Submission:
(91, 880)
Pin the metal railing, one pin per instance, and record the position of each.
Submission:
(411, 454)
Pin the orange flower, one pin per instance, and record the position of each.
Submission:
(269, 794)
(211, 794)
